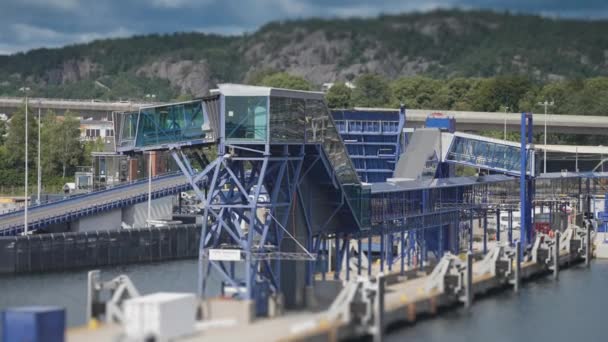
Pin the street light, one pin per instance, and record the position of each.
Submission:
(506, 110)
(25, 90)
(545, 104)
(38, 162)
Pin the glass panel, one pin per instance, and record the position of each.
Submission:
(128, 127)
(485, 154)
(170, 124)
(245, 118)
(320, 128)
(287, 119)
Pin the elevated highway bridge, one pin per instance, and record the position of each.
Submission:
(466, 121)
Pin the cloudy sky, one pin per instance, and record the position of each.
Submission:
(27, 24)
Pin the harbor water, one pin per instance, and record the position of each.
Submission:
(573, 308)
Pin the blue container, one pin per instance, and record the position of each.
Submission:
(33, 324)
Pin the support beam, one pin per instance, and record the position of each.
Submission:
(510, 222)
(485, 231)
(497, 225)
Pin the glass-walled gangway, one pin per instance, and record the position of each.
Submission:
(156, 127)
(488, 153)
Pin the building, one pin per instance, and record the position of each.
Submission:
(94, 129)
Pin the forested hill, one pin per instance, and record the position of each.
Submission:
(439, 44)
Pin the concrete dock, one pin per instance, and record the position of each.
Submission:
(405, 299)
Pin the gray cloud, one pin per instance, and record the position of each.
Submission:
(27, 24)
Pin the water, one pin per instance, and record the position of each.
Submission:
(69, 289)
(574, 308)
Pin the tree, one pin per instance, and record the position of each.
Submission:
(338, 96)
(494, 93)
(62, 144)
(418, 92)
(89, 147)
(371, 90)
(285, 80)
(15, 140)
(3, 131)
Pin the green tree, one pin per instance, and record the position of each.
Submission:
(494, 93)
(89, 147)
(62, 144)
(3, 131)
(15, 140)
(338, 96)
(417, 92)
(460, 92)
(285, 80)
(371, 90)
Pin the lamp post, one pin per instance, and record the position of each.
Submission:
(505, 125)
(149, 187)
(25, 90)
(545, 104)
(38, 162)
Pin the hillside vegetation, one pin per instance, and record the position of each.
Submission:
(444, 44)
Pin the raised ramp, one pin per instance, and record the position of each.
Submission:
(420, 158)
(91, 204)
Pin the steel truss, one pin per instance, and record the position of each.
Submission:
(247, 196)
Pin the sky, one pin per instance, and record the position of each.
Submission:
(28, 24)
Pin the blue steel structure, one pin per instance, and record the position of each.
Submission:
(526, 180)
(283, 186)
(281, 182)
(373, 139)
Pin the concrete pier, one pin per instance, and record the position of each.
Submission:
(403, 299)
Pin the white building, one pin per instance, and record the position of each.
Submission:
(93, 129)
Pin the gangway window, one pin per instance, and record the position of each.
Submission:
(246, 118)
(170, 124)
(128, 128)
(287, 119)
(320, 128)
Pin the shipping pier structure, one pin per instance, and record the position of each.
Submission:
(281, 184)
(297, 201)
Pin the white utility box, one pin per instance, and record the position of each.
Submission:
(162, 315)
